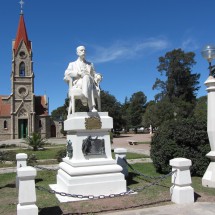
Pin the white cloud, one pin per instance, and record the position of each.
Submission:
(189, 44)
(128, 50)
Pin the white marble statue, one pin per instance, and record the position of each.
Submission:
(83, 82)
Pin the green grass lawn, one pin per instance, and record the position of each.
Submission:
(50, 153)
(48, 203)
(143, 142)
(130, 155)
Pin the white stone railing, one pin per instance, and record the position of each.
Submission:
(26, 184)
(21, 161)
(120, 155)
(181, 192)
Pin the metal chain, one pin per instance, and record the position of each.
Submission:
(106, 196)
(80, 196)
(161, 178)
(45, 168)
(140, 173)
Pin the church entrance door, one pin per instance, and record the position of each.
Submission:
(23, 128)
(53, 131)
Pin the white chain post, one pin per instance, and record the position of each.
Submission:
(21, 161)
(27, 193)
(181, 192)
(120, 155)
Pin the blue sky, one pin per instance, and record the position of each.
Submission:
(123, 38)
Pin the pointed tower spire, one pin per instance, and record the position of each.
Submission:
(21, 34)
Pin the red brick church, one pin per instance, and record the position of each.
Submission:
(22, 112)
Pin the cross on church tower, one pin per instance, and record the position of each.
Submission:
(21, 3)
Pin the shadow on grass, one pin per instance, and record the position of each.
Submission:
(12, 185)
(37, 180)
(131, 175)
(130, 179)
(124, 136)
(51, 211)
(196, 196)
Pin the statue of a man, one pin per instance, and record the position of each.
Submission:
(85, 78)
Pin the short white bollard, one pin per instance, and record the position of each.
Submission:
(120, 154)
(181, 191)
(21, 161)
(27, 193)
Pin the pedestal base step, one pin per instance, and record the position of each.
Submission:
(100, 181)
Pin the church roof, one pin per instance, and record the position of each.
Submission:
(41, 105)
(22, 35)
(4, 107)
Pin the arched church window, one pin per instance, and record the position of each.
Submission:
(40, 123)
(5, 124)
(22, 69)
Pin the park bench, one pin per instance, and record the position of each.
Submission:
(132, 142)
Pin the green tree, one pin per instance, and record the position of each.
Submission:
(181, 138)
(124, 110)
(200, 111)
(158, 112)
(113, 107)
(150, 115)
(180, 82)
(136, 109)
(60, 113)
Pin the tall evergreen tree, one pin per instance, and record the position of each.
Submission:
(136, 109)
(200, 111)
(124, 110)
(180, 82)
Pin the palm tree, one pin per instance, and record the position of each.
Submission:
(35, 141)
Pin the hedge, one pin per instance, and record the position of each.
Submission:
(185, 138)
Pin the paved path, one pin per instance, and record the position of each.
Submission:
(122, 142)
(198, 208)
(17, 142)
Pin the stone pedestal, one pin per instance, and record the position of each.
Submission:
(120, 154)
(88, 168)
(181, 191)
(27, 192)
(21, 159)
(208, 179)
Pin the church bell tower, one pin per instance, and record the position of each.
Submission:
(22, 83)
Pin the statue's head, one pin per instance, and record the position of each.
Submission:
(81, 51)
